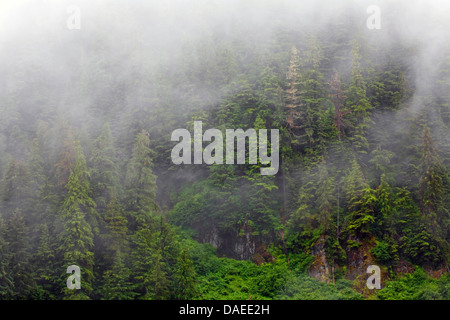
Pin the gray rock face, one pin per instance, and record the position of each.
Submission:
(319, 269)
(232, 245)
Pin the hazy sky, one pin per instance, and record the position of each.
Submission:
(149, 33)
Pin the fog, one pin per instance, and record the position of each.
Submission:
(160, 66)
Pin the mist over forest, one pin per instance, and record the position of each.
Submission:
(91, 92)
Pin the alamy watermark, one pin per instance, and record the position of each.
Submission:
(374, 20)
(374, 281)
(74, 19)
(73, 22)
(74, 281)
(213, 152)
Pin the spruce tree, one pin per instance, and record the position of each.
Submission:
(433, 188)
(117, 280)
(145, 258)
(293, 103)
(16, 194)
(104, 168)
(313, 96)
(45, 266)
(17, 237)
(359, 104)
(140, 183)
(185, 277)
(354, 181)
(324, 195)
(76, 239)
(338, 96)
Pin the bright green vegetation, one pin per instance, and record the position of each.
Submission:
(87, 178)
(417, 286)
(225, 279)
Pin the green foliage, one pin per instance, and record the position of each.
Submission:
(77, 214)
(116, 283)
(364, 159)
(416, 286)
(6, 276)
(302, 287)
(433, 188)
(140, 182)
(382, 252)
(186, 277)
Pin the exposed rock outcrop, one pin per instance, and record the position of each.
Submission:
(319, 269)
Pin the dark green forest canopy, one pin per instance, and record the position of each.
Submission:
(85, 150)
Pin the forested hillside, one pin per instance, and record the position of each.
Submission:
(87, 177)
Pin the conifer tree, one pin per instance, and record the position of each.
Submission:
(293, 103)
(45, 266)
(140, 182)
(67, 159)
(185, 277)
(433, 188)
(313, 90)
(77, 210)
(145, 258)
(359, 104)
(19, 247)
(104, 168)
(354, 182)
(6, 275)
(116, 225)
(324, 195)
(16, 194)
(37, 179)
(116, 281)
(338, 97)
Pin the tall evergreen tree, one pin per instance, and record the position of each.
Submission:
(293, 103)
(16, 193)
(354, 181)
(338, 97)
(185, 277)
(104, 168)
(359, 104)
(146, 258)
(19, 247)
(433, 188)
(76, 239)
(45, 266)
(117, 280)
(140, 183)
(6, 275)
(324, 195)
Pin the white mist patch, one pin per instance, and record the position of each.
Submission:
(213, 152)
